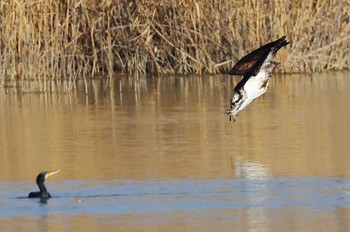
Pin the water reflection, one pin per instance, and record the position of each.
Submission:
(174, 127)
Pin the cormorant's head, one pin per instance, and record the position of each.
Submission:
(43, 175)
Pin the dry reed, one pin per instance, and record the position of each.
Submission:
(50, 41)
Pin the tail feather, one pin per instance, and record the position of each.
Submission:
(281, 42)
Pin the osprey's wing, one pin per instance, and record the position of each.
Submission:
(252, 62)
(250, 65)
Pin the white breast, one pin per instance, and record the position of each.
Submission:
(255, 87)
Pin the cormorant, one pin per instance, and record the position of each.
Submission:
(40, 179)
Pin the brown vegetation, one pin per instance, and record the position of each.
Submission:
(65, 40)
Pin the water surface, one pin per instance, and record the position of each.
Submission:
(159, 154)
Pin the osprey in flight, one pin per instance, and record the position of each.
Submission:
(256, 69)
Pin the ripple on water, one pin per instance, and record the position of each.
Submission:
(121, 197)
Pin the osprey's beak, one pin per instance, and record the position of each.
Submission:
(52, 173)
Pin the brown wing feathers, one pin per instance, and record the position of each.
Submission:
(251, 63)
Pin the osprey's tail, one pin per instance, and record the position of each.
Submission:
(280, 43)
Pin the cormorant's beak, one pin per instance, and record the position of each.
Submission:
(52, 173)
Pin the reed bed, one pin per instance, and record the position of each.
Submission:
(49, 41)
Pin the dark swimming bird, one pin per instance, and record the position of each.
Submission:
(40, 179)
(256, 68)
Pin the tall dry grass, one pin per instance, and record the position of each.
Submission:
(50, 41)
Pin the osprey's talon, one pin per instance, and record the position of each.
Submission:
(231, 114)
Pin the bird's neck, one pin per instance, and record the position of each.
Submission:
(42, 188)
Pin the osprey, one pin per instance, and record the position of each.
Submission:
(256, 69)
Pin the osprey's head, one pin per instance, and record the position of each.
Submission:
(236, 101)
(235, 104)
